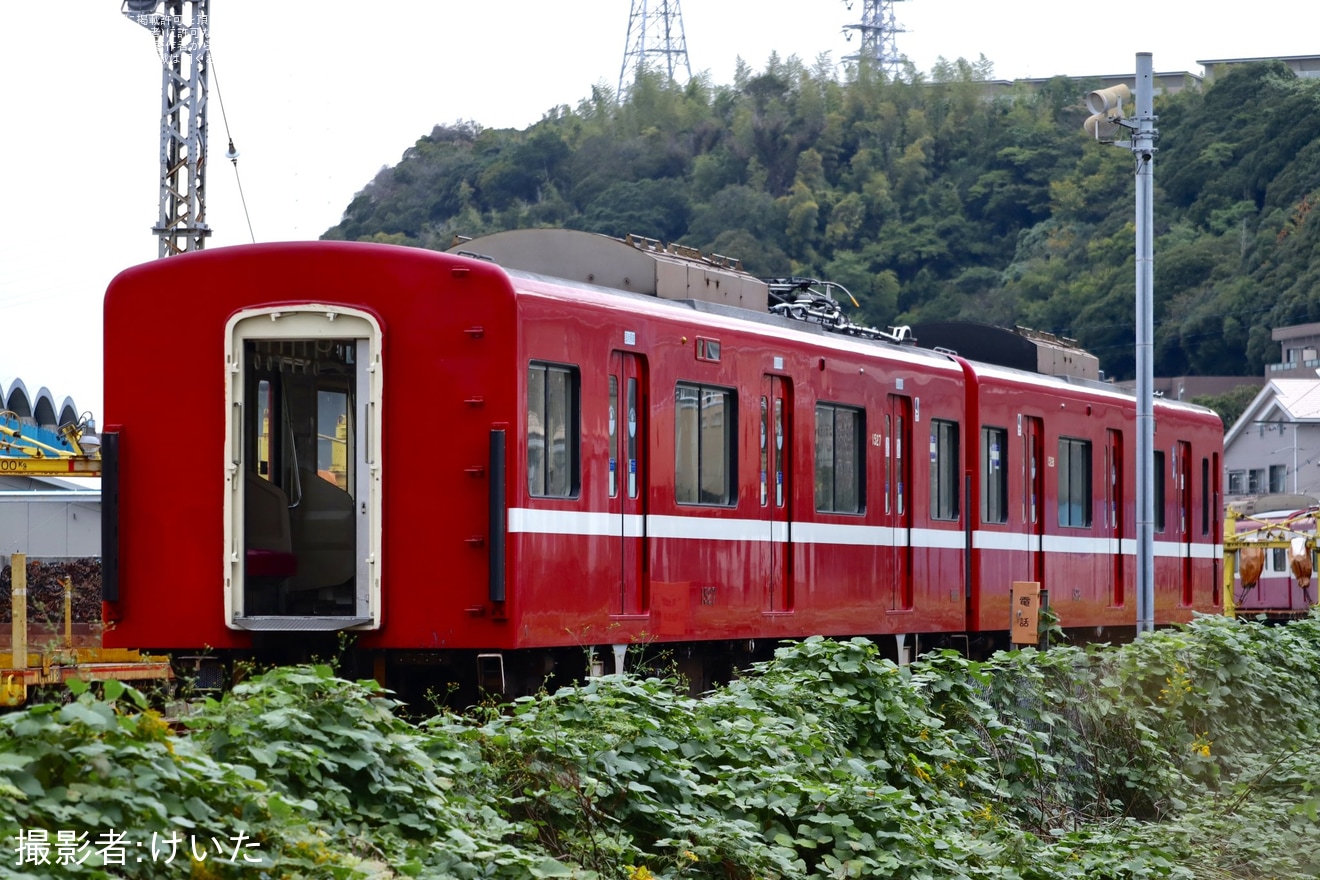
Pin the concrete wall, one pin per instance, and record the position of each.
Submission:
(50, 524)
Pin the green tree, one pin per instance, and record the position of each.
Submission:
(1231, 404)
(976, 199)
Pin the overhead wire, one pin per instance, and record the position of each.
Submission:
(232, 154)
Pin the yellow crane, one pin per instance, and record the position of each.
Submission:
(78, 455)
(22, 456)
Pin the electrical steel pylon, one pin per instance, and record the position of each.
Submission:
(878, 28)
(181, 42)
(655, 31)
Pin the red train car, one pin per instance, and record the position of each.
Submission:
(485, 465)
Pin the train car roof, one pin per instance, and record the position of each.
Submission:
(553, 248)
(732, 317)
(1107, 389)
(816, 333)
(641, 269)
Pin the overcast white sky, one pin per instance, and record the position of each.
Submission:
(320, 95)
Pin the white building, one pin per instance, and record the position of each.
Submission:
(44, 517)
(1275, 446)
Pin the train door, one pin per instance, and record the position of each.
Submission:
(898, 488)
(628, 477)
(775, 451)
(1114, 513)
(302, 502)
(1182, 462)
(1216, 534)
(1032, 431)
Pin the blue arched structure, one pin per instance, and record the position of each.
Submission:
(38, 414)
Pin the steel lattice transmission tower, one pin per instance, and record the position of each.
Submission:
(655, 33)
(180, 28)
(878, 28)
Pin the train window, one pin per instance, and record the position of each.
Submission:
(772, 451)
(614, 435)
(633, 454)
(333, 410)
(1074, 482)
(943, 469)
(1278, 559)
(1158, 478)
(887, 461)
(708, 350)
(780, 453)
(840, 463)
(765, 451)
(994, 475)
(705, 425)
(265, 405)
(1205, 496)
(552, 430)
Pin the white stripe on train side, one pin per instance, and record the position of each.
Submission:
(698, 528)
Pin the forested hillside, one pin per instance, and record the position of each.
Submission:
(928, 199)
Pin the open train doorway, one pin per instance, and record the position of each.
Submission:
(302, 500)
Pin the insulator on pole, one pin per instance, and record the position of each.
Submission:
(878, 29)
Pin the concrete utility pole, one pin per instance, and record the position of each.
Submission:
(1106, 105)
(1143, 149)
(181, 226)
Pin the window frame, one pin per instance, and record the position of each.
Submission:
(698, 444)
(1255, 481)
(1075, 478)
(945, 459)
(1237, 482)
(994, 473)
(1280, 470)
(1159, 493)
(825, 475)
(572, 422)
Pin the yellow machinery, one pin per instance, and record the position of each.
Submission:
(21, 667)
(28, 457)
(1265, 533)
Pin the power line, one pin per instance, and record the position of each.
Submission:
(232, 153)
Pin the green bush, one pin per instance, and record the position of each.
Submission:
(1188, 753)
